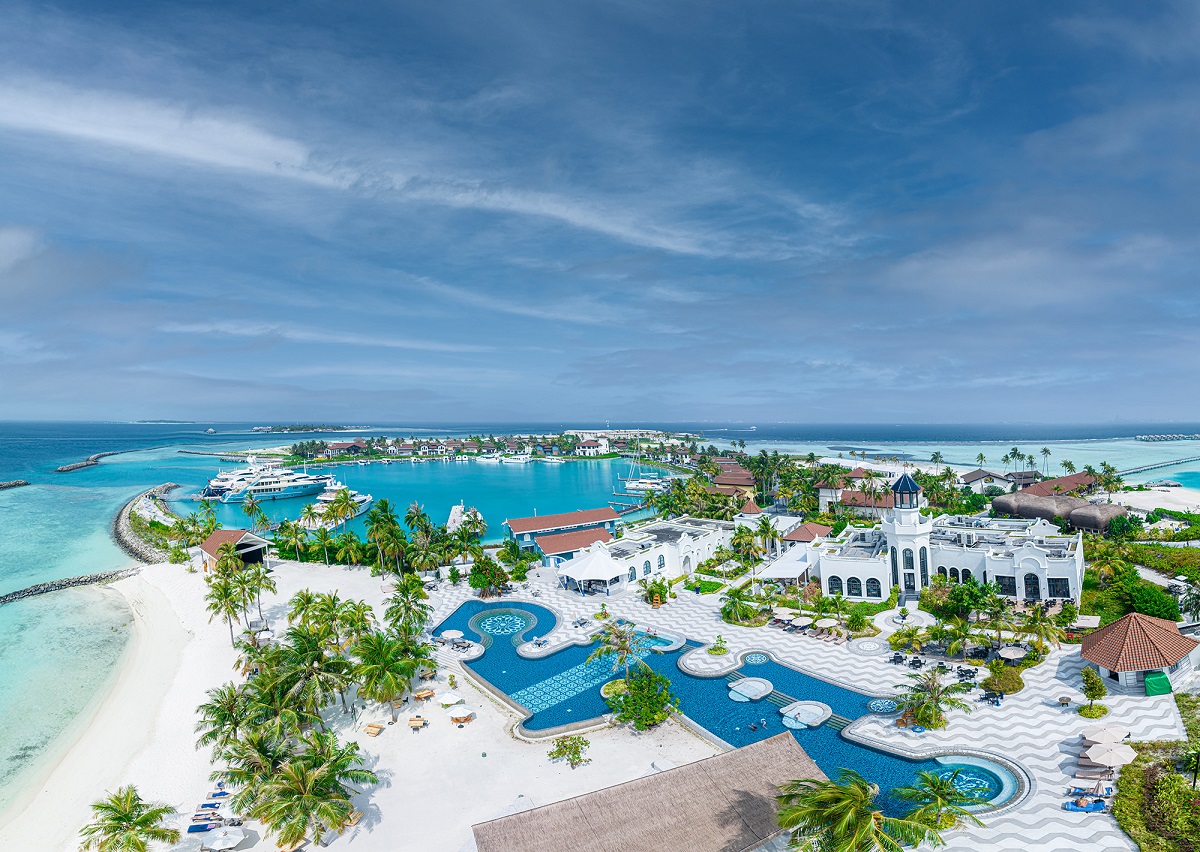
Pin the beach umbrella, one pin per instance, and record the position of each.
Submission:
(826, 623)
(448, 698)
(1111, 754)
(1010, 653)
(1105, 733)
(459, 711)
(802, 621)
(452, 634)
(226, 837)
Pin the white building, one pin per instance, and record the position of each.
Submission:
(1028, 559)
(980, 480)
(668, 549)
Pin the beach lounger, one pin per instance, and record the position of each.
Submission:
(1095, 807)
(1090, 790)
(841, 640)
(1093, 774)
(202, 826)
(355, 816)
(209, 805)
(220, 794)
(373, 730)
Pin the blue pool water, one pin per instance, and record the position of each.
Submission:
(563, 687)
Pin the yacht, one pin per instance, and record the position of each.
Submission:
(264, 482)
(362, 502)
(522, 458)
(644, 484)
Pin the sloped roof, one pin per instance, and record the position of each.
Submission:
(211, 544)
(858, 498)
(743, 478)
(1137, 643)
(1046, 487)
(808, 531)
(751, 508)
(724, 803)
(563, 520)
(569, 542)
(979, 473)
(905, 485)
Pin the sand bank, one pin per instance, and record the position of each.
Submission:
(433, 786)
(1179, 499)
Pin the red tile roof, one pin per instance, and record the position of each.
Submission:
(808, 532)
(721, 489)
(751, 508)
(565, 520)
(740, 478)
(569, 542)
(858, 498)
(1065, 484)
(211, 544)
(1137, 643)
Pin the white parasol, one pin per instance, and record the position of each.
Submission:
(1111, 754)
(448, 698)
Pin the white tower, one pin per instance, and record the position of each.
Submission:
(907, 533)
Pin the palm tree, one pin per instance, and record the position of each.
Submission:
(223, 717)
(423, 551)
(624, 644)
(124, 822)
(1043, 629)
(294, 536)
(313, 674)
(260, 580)
(349, 549)
(228, 560)
(736, 604)
(322, 539)
(407, 610)
(249, 763)
(1045, 458)
(938, 459)
(981, 459)
(928, 699)
(416, 519)
(295, 802)
(1189, 602)
(937, 800)
(309, 515)
(223, 601)
(767, 534)
(909, 637)
(961, 633)
(1067, 466)
(384, 671)
(841, 816)
(250, 507)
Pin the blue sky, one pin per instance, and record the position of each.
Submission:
(768, 211)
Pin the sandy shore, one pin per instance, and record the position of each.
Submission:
(434, 785)
(1180, 499)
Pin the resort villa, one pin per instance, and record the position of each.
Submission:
(1140, 650)
(250, 548)
(980, 480)
(1028, 559)
(562, 536)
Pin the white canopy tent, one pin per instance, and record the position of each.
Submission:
(792, 565)
(595, 567)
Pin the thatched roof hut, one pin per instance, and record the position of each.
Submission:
(722, 804)
(1094, 517)
(1023, 505)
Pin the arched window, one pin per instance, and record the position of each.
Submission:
(646, 568)
(662, 562)
(854, 587)
(1033, 587)
(632, 574)
(908, 559)
(966, 575)
(942, 571)
(873, 590)
(925, 559)
(835, 585)
(953, 575)
(895, 569)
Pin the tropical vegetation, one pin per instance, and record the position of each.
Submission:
(124, 822)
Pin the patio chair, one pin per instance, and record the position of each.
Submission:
(1089, 790)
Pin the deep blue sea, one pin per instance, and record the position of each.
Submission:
(60, 650)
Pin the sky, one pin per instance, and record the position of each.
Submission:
(545, 211)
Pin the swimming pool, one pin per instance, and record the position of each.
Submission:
(563, 687)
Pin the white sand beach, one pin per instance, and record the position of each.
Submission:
(1179, 499)
(434, 785)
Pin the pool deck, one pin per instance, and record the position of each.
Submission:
(1031, 730)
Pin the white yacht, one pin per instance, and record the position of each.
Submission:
(264, 482)
(362, 502)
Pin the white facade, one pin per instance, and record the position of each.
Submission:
(1029, 559)
(668, 549)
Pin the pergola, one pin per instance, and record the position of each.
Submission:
(594, 568)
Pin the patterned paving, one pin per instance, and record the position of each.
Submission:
(1030, 728)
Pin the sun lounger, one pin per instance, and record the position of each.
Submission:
(201, 826)
(355, 816)
(1090, 808)
(220, 794)
(1093, 774)
(1090, 790)
(1091, 764)
(209, 805)
(373, 730)
(841, 640)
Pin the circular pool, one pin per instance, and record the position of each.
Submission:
(979, 776)
(881, 705)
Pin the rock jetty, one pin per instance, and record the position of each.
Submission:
(88, 462)
(13, 483)
(130, 541)
(68, 583)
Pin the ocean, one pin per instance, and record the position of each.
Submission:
(61, 650)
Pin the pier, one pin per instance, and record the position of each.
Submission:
(1157, 465)
(130, 541)
(1167, 437)
(13, 483)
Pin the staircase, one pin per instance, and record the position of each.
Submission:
(837, 722)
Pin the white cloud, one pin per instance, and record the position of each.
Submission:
(160, 127)
(300, 334)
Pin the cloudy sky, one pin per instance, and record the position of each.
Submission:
(769, 211)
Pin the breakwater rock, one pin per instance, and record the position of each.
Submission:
(88, 462)
(68, 583)
(13, 483)
(128, 540)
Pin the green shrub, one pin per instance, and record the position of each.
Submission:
(646, 702)
(1008, 681)
(1150, 599)
(1094, 687)
(571, 748)
(1093, 711)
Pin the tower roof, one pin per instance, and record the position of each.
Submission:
(906, 485)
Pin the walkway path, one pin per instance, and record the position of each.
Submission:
(1030, 729)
